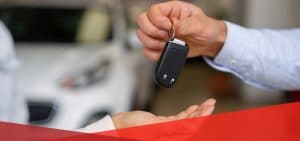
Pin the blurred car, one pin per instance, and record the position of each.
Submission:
(77, 65)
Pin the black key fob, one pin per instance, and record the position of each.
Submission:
(171, 63)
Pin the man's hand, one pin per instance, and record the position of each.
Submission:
(137, 118)
(204, 35)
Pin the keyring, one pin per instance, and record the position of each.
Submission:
(172, 31)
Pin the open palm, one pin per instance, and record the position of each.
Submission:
(137, 118)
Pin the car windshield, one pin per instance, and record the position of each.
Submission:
(59, 25)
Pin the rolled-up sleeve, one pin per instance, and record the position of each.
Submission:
(260, 57)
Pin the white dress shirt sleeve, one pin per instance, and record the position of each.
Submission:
(103, 124)
(261, 57)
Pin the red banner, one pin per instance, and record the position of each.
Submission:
(274, 123)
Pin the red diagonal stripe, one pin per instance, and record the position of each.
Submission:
(275, 123)
(19, 132)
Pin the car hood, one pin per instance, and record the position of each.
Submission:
(44, 64)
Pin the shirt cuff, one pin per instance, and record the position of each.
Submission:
(235, 58)
(231, 50)
(103, 124)
(228, 57)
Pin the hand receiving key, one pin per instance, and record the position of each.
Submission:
(137, 118)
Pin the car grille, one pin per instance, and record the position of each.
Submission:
(40, 112)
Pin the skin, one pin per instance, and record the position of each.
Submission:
(137, 118)
(204, 35)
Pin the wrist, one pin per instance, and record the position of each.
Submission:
(223, 32)
(116, 120)
(221, 35)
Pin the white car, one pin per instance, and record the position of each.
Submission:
(76, 65)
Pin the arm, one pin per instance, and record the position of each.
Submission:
(263, 58)
(138, 118)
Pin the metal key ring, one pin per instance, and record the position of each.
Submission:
(172, 32)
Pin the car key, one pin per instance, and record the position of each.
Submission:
(171, 62)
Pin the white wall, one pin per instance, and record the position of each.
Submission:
(272, 13)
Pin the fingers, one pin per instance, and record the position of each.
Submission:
(205, 108)
(208, 108)
(149, 29)
(191, 109)
(152, 38)
(187, 112)
(155, 23)
(149, 42)
(152, 54)
(189, 15)
(158, 15)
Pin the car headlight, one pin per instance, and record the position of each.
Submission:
(87, 77)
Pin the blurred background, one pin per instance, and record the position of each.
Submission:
(79, 60)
